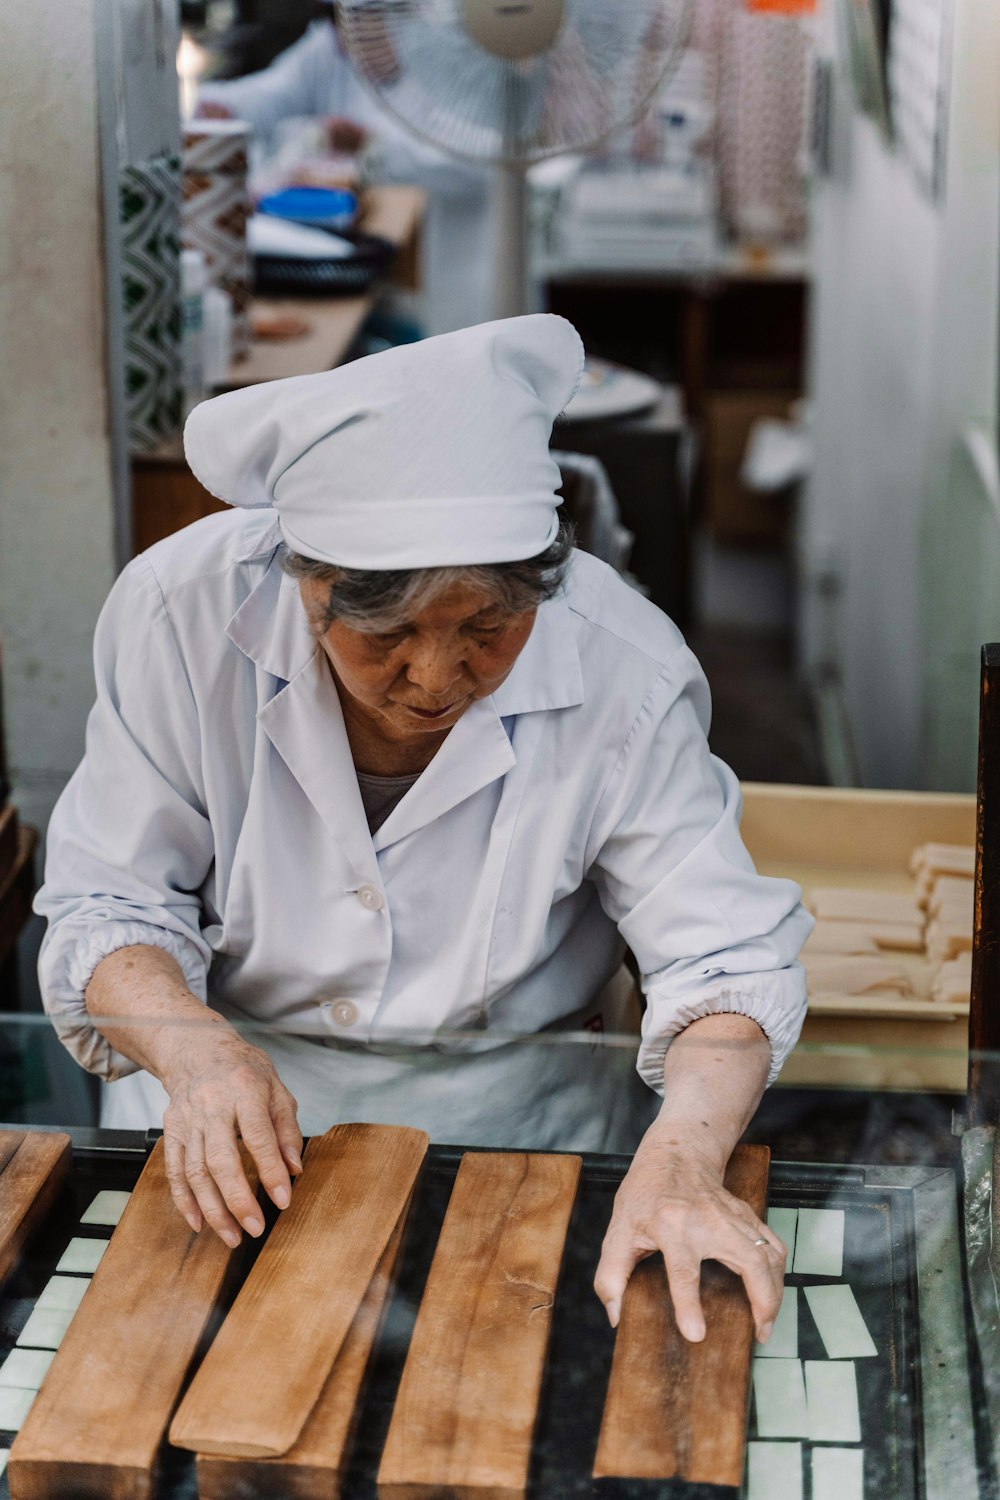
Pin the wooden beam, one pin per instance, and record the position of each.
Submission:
(984, 1010)
(95, 1429)
(467, 1404)
(33, 1167)
(676, 1410)
(266, 1369)
(314, 1466)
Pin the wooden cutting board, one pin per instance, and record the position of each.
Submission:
(466, 1408)
(313, 1468)
(98, 1421)
(33, 1166)
(674, 1409)
(265, 1371)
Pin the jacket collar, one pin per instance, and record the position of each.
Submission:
(270, 626)
(304, 720)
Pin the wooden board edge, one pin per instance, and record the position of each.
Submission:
(61, 1158)
(42, 1479)
(608, 1470)
(308, 1480)
(178, 1433)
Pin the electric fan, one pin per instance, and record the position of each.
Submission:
(509, 82)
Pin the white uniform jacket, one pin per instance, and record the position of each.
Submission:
(217, 815)
(315, 78)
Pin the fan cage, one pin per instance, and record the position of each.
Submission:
(602, 73)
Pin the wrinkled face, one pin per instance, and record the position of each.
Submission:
(421, 678)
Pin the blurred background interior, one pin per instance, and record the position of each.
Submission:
(786, 270)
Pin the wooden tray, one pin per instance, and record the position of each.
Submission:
(828, 837)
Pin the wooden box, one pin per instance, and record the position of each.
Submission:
(735, 514)
(825, 837)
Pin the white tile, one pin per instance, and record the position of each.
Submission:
(783, 1222)
(841, 1326)
(832, 1397)
(819, 1243)
(838, 1474)
(63, 1293)
(780, 1399)
(14, 1407)
(774, 1471)
(45, 1329)
(26, 1368)
(784, 1340)
(82, 1255)
(107, 1208)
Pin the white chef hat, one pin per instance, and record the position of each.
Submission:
(434, 454)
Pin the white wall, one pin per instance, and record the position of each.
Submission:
(76, 76)
(904, 356)
(57, 504)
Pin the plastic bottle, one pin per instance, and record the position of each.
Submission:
(194, 277)
(218, 307)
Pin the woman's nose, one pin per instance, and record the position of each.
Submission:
(435, 672)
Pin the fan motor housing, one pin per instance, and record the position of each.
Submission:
(515, 29)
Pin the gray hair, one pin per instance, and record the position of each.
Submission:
(375, 601)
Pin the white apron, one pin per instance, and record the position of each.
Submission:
(543, 1094)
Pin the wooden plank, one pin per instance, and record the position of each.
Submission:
(97, 1424)
(33, 1165)
(266, 1369)
(984, 1011)
(466, 1408)
(674, 1409)
(313, 1468)
(864, 831)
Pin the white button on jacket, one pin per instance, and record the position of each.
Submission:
(217, 815)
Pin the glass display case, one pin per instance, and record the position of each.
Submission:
(881, 1374)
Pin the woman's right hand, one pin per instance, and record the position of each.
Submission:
(220, 1092)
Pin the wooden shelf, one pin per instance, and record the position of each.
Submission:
(827, 837)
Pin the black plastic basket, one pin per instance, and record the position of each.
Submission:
(281, 276)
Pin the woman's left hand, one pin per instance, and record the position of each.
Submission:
(673, 1200)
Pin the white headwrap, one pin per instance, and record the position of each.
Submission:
(434, 454)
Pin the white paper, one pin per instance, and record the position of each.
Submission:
(63, 1293)
(782, 1221)
(82, 1256)
(838, 1474)
(784, 1340)
(780, 1399)
(45, 1329)
(26, 1368)
(832, 1398)
(774, 1471)
(107, 1208)
(14, 1407)
(841, 1325)
(819, 1243)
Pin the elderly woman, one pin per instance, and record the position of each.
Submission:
(378, 760)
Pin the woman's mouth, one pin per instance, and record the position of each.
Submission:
(432, 713)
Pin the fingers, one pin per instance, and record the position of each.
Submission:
(257, 1128)
(619, 1257)
(286, 1128)
(209, 1197)
(762, 1269)
(180, 1191)
(684, 1280)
